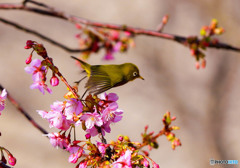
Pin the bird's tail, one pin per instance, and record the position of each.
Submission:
(85, 66)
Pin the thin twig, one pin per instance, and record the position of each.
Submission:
(22, 111)
(20, 27)
(36, 3)
(133, 30)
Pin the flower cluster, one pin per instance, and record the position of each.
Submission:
(167, 120)
(121, 153)
(198, 45)
(112, 41)
(3, 97)
(94, 114)
(150, 139)
(38, 72)
(39, 68)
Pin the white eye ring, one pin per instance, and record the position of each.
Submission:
(135, 74)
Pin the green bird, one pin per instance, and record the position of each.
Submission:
(105, 77)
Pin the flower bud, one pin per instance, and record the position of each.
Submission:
(175, 127)
(145, 152)
(203, 63)
(87, 136)
(155, 165)
(29, 44)
(165, 19)
(126, 138)
(54, 81)
(193, 52)
(197, 65)
(170, 136)
(146, 128)
(29, 59)
(218, 31)
(120, 138)
(78, 26)
(214, 23)
(11, 160)
(127, 33)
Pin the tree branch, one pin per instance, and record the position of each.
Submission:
(42, 36)
(50, 11)
(22, 111)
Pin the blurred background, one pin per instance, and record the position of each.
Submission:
(206, 102)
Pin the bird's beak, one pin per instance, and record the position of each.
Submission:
(141, 77)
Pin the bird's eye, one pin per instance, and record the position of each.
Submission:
(135, 74)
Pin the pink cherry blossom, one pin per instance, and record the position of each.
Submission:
(124, 161)
(38, 76)
(112, 97)
(58, 140)
(102, 147)
(112, 113)
(41, 86)
(76, 152)
(92, 119)
(83, 164)
(93, 131)
(55, 116)
(73, 108)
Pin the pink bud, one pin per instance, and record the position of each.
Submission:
(78, 35)
(29, 59)
(155, 165)
(120, 138)
(78, 26)
(197, 65)
(203, 63)
(146, 128)
(176, 142)
(11, 160)
(173, 118)
(165, 19)
(54, 81)
(87, 136)
(145, 153)
(127, 33)
(193, 52)
(29, 44)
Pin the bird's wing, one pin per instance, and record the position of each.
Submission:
(98, 82)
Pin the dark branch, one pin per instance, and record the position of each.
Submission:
(42, 36)
(22, 111)
(134, 30)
